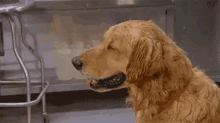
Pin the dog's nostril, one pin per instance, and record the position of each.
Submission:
(77, 63)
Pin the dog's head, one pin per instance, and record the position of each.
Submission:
(135, 51)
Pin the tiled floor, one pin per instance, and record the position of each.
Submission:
(74, 107)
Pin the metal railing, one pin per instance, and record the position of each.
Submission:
(17, 25)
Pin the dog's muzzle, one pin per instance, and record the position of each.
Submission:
(111, 82)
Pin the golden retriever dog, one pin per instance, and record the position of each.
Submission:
(163, 85)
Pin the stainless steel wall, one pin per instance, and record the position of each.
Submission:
(196, 30)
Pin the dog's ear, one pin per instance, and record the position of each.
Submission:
(158, 58)
(141, 60)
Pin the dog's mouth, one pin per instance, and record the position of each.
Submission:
(111, 82)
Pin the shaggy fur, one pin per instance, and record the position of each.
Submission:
(163, 85)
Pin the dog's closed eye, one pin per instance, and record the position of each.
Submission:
(110, 47)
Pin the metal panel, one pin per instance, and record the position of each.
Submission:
(197, 32)
(21, 5)
(169, 29)
(96, 4)
(8, 1)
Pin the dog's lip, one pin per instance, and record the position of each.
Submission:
(111, 82)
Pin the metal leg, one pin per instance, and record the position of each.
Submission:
(35, 46)
(46, 118)
(36, 54)
(14, 38)
(15, 21)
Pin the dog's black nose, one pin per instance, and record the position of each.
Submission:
(77, 63)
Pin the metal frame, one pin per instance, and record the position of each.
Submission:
(21, 5)
(16, 21)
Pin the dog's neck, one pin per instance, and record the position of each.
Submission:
(163, 106)
(157, 104)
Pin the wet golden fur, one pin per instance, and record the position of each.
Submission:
(163, 85)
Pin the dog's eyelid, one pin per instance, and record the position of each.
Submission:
(110, 46)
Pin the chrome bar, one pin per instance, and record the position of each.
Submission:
(15, 63)
(16, 21)
(39, 58)
(18, 82)
(29, 103)
(35, 47)
(14, 39)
